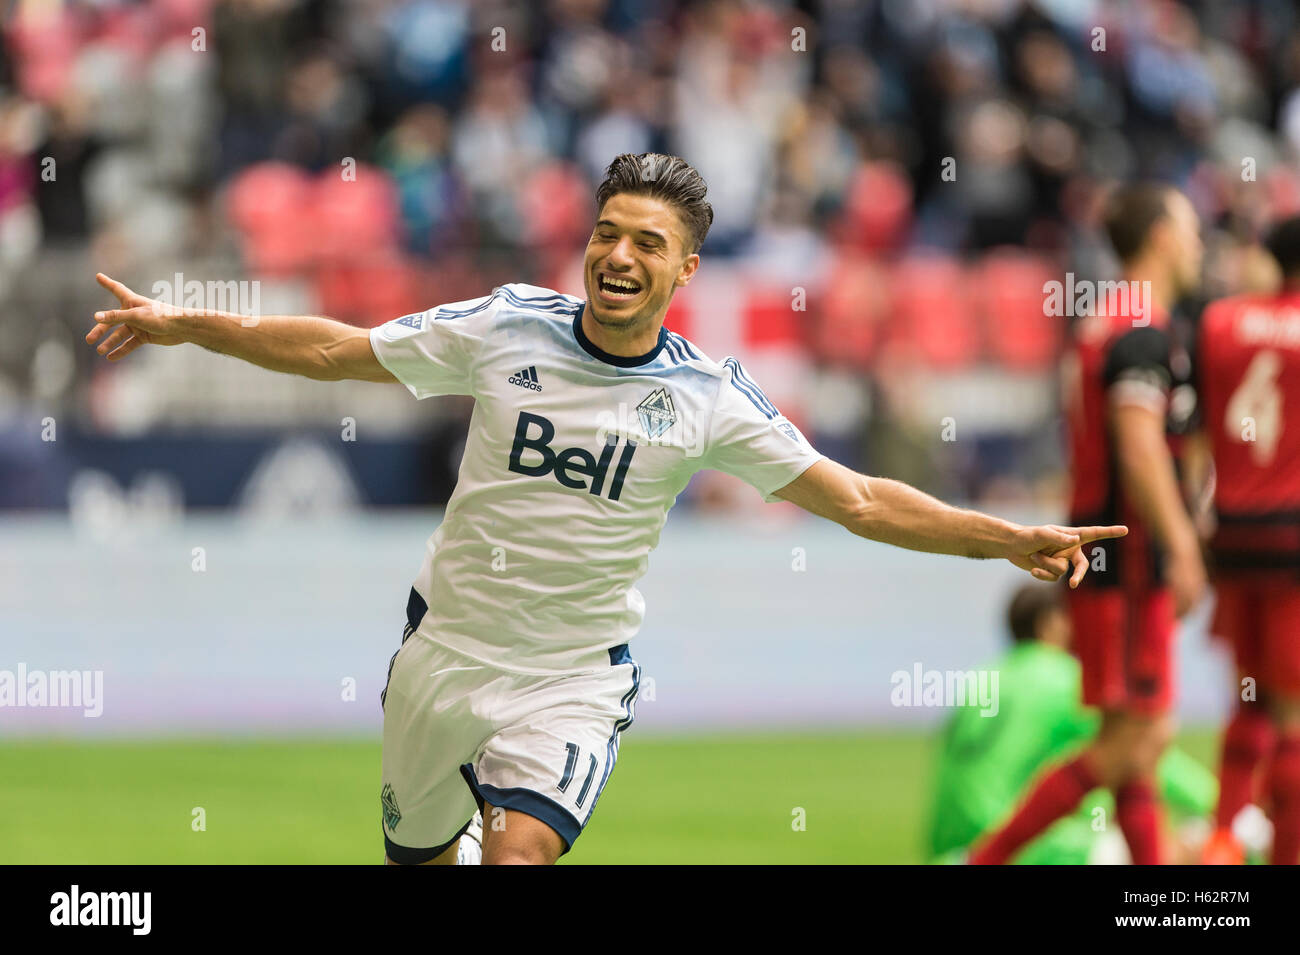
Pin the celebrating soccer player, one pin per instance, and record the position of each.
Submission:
(590, 418)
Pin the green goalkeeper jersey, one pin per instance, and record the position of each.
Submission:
(986, 763)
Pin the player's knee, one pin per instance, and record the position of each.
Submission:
(517, 855)
(1285, 710)
(1151, 737)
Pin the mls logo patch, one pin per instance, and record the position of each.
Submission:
(787, 429)
(392, 815)
(415, 321)
(657, 413)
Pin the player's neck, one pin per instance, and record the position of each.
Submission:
(625, 343)
(1157, 285)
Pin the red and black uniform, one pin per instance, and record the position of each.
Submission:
(1123, 614)
(1248, 359)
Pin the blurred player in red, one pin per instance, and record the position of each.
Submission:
(1248, 368)
(1129, 400)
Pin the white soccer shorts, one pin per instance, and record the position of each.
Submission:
(459, 733)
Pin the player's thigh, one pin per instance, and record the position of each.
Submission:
(1097, 633)
(517, 838)
(1236, 622)
(433, 723)
(554, 752)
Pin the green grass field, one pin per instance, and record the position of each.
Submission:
(671, 800)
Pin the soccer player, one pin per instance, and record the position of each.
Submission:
(1248, 366)
(985, 762)
(1128, 397)
(590, 418)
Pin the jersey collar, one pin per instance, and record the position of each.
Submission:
(622, 361)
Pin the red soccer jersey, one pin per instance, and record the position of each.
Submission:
(1111, 359)
(1248, 360)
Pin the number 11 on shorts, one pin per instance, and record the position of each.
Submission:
(570, 764)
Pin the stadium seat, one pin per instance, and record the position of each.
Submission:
(847, 320)
(931, 312)
(266, 203)
(878, 208)
(769, 318)
(1010, 305)
(355, 218)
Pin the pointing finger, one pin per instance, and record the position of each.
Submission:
(123, 293)
(1089, 534)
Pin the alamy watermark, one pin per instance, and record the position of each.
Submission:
(1080, 298)
(55, 689)
(945, 688)
(243, 298)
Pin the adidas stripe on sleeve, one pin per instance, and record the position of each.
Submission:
(750, 439)
(434, 352)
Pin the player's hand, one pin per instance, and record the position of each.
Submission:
(140, 321)
(1185, 574)
(1049, 552)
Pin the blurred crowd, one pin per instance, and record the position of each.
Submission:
(908, 173)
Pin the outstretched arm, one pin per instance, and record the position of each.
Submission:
(310, 346)
(895, 513)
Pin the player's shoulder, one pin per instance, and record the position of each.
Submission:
(1224, 312)
(1232, 304)
(738, 383)
(513, 301)
(679, 352)
(518, 298)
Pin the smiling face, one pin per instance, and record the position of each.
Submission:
(638, 255)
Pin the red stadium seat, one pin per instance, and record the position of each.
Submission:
(556, 207)
(270, 204)
(932, 313)
(355, 219)
(1010, 304)
(878, 209)
(769, 317)
(848, 319)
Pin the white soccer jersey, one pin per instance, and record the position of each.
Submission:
(573, 459)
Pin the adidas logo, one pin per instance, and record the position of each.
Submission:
(526, 379)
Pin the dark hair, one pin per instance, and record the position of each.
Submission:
(1284, 243)
(1028, 607)
(1131, 213)
(669, 178)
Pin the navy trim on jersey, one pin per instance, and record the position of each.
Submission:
(685, 346)
(404, 855)
(744, 375)
(619, 654)
(557, 304)
(620, 361)
(750, 390)
(676, 347)
(528, 802)
(611, 748)
(416, 608)
(439, 315)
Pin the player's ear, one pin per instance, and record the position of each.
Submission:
(687, 271)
